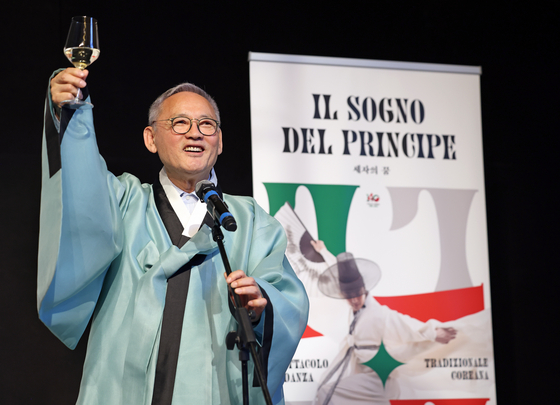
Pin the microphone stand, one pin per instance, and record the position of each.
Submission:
(245, 336)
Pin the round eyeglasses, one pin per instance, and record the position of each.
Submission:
(182, 125)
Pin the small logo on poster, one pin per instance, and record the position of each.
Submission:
(372, 200)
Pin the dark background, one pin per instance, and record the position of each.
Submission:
(147, 49)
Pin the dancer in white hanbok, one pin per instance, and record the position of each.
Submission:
(348, 380)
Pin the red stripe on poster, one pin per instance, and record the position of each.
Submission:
(462, 401)
(310, 332)
(441, 305)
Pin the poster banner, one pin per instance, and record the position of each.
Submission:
(375, 171)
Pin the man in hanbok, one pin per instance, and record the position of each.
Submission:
(348, 380)
(139, 261)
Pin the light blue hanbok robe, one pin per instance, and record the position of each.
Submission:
(105, 253)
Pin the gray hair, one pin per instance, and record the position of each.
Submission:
(155, 108)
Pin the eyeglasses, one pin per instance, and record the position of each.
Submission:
(182, 125)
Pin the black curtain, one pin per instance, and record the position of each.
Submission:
(147, 49)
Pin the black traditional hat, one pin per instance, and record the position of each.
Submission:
(349, 277)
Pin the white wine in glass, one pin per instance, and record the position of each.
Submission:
(81, 57)
(81, 49)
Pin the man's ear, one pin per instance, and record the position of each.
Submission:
(149, 139)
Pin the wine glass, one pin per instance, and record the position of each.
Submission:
(81, 49)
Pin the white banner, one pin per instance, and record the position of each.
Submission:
(375, 170)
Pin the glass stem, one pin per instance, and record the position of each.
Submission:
(77, 99)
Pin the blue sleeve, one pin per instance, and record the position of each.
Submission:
(80, 225)
(285, 318)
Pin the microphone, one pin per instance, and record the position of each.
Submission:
(206, 191)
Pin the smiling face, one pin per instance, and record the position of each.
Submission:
(187, 158)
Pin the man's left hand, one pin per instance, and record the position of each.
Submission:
(248, 290)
